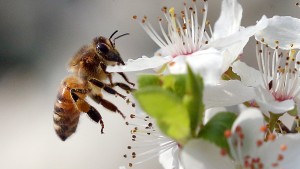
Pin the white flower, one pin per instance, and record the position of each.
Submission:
(187, 40)
(247, 148)
(276, 84)
(148, 143)
(280, 71)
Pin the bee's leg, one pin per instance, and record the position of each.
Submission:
(103, 67)
(107, 104)
(96, 117)
(125, 78)
(106, 87)
(110, 78)
(124, 87)
(83, 106)
(81, 91)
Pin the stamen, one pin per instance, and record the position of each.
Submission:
(280, 157)
(150, 156)
(172, 14)
(223, 152)
(151, 142)
(271, 137)
(283, 147)
(203, 22)
(279, 127)
(259, 143)
(209, 27)
(128, 101)
(227, 133)
(263, 129)
(275, 165)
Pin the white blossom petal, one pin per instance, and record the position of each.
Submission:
(250, 120)
(297, 103)
(201, 154)
(170, 158)
(267, 102)
(207, 63)
(232, 53)
(290, 155)
(209, 113)
(162, 52)
(239, 36)
(232, 46)
(249, 76)
(230, 19)
(178, 65)
(227, 93)
(140, 64)
(284, 29)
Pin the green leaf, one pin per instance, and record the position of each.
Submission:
(184, 90)
(175, 83)
(168, 110)
(214, 130)
(230, 75)
(148, 80)
(274, 117)
(293, 112)
(193, 100)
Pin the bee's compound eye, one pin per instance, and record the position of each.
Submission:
(102, 48)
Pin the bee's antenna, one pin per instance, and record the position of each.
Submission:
(120, 36)
(113, 34)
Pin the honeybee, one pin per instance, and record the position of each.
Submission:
(88, 68)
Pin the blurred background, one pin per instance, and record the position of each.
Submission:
(37, 40)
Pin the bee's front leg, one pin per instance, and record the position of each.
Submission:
(125, 78)
(108, 74)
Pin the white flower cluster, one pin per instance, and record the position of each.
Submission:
(258, 139)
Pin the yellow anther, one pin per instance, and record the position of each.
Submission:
(292, 53)
(172, 13)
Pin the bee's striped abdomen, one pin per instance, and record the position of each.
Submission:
(66, 115)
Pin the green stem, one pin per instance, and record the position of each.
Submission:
(273, 120)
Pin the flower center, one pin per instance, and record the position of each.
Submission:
(279, 71)
(184, 35)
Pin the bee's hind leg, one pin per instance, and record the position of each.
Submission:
(84, 106)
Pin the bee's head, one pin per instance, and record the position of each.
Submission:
(106, 48)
